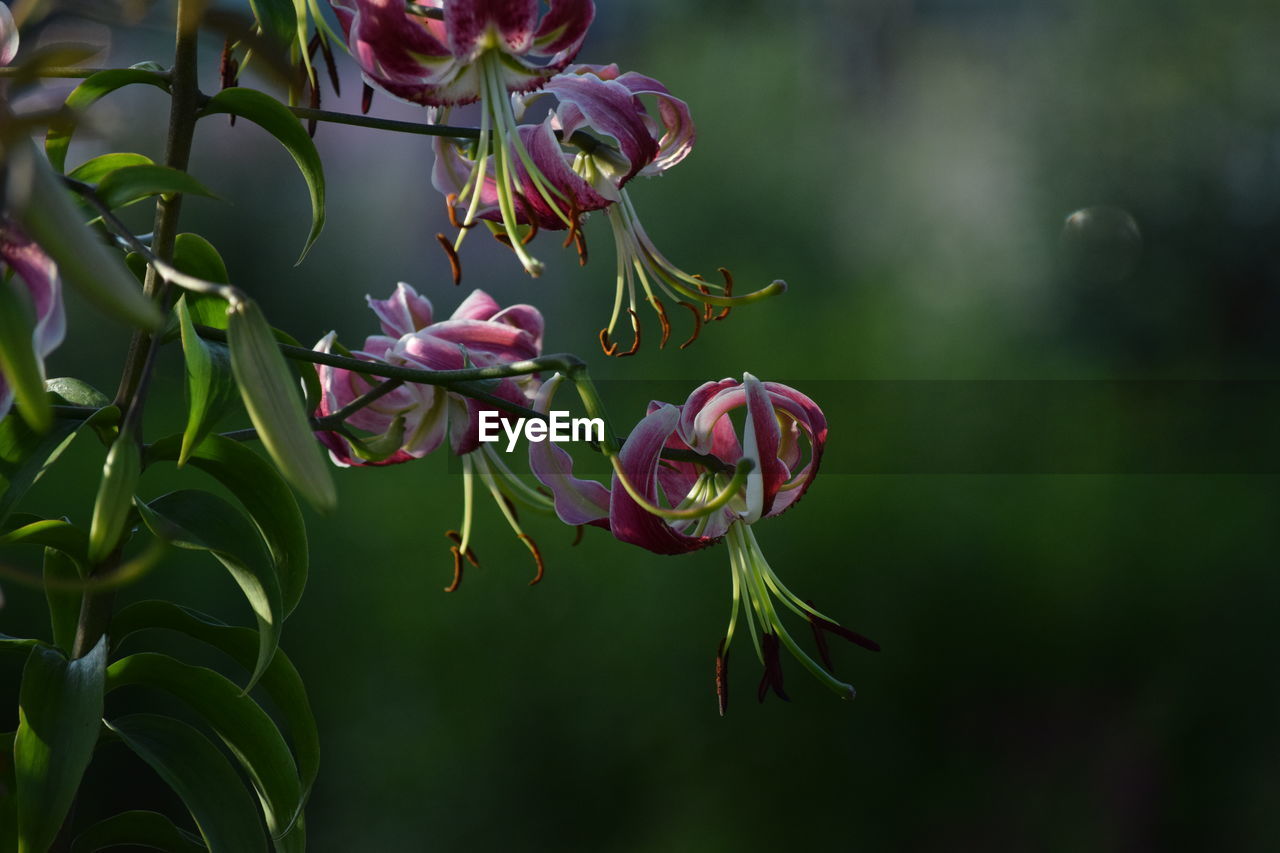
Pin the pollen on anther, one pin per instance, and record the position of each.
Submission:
(456, 538)
(609, 347)
(662, 319)
(537, 557)
(457, 569)
(455, 265)
(635, 328)
(697, 322)
(722, 678)
(728, 291)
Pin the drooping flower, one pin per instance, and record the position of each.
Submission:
(34, 272)
(601, 134)
(443, 53)
(410, 420)
(675, 490)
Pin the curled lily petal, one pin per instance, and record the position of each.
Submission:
(404, 312)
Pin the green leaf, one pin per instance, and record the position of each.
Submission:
(138, 829)
(94, 170)
(194, 255)
(275, 118)
(277, 18)
(303, 371)
(131, 184)
(64, 604)
(37, 199)
(203, 522)
(200, 774)
(246, 729)
(265, 496)
(25, 455)
(91, 90)
(272, 400)
(22, 529)
(8, 796)
(211, 387)
(281, 681)
(19, 363)
(115, 496)
(59, 709)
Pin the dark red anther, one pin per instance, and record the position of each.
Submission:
(455, 265)
(533, 232)
(772, 678)
(722, 678)
(456, 538)
(313, 45)
(502, 238)
(728, 291)
(662, 319)
(840, 631)
(314, 81)
(457, 569)
(697, 322)
(706, 306)
(537, 557)
(635, 328)
(580, 243)
(331, 66)
(450, 205)
(511, 508)
(228, 71)
(820, 640)
(609, 347)
(366, 99)
(577, 536)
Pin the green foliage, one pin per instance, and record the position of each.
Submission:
(265, 497)
(271, 398)
(138, 829)
(93, 89)
(25, 454)
(60, 576)
(280, 681)
(201, 776)
(275, 118)
(235, 718)
(211, 387)
(59, 713)
(200, 521)
(41, 206)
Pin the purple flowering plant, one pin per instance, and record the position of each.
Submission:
(556, 142)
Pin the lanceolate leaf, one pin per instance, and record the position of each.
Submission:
(211, 388)
(280, 682)
(204, 779)
(205, 522)
(94, 170)
(25, 455)
(59, 713)
(278, 20)
(22, 529)
(64, 604)
(8, 796)
(271, 397)
(138, 829)
(275, 118)
(257, 485)
(18, 361)
(38, 201)
(92, 89)
(234, 717)
(129, 184)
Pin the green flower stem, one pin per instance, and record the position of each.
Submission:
(96, 608)
(309, 114)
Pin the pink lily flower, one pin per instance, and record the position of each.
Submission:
(443, 53)
(601, 134)
(36, 272)
(672, 506)
(413, 420)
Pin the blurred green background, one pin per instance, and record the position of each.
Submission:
(1072, 661)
